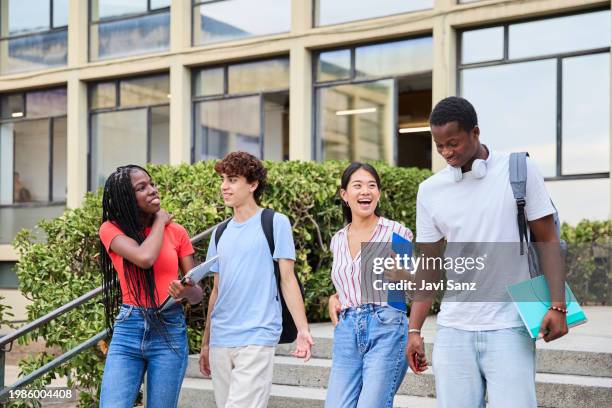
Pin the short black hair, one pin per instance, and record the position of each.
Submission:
(454, 109)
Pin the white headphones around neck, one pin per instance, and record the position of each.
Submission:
(479, 170)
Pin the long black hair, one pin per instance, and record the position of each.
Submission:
(119, 207)
(344, 181)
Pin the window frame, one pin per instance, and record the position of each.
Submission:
(51, 123)
(226, 95)
(117, 108)
(558, 57)
(317, 143)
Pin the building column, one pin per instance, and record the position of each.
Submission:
(78, 27)
(77, 134)
(77, 129)
(300, 88)
(180, 114)
(180, 25)
(444, 80)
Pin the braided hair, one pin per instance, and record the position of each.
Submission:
(119, 207)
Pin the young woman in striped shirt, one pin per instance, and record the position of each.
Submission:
(368, 359)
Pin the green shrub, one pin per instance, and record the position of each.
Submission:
(66, 266)
(588, 260)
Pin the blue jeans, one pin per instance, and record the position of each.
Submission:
(368, 358)
(500, 362)
(135, 349)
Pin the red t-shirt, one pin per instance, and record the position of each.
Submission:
(175, 245)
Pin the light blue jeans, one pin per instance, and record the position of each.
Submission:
(368, 357)
(501, 363)
(135, 349)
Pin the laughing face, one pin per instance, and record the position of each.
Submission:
(361, 194)
(147, 197)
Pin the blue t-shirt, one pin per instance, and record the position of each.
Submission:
(247, 310)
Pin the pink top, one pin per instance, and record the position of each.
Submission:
(346, 272)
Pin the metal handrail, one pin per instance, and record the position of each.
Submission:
(9, 338)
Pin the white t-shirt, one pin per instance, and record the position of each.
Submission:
(479, 210)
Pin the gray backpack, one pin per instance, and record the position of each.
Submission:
(518, 181)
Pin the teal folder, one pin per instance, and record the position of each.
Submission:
(532, 299)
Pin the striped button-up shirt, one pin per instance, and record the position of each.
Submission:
(346, 271)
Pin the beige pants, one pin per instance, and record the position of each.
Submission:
(242, 376)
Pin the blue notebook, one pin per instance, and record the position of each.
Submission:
(532, 300)
(401, 246)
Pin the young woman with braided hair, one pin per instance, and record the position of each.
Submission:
(141, 252)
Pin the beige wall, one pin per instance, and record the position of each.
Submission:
(442, 21)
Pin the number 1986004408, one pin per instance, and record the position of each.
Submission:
(45, 393)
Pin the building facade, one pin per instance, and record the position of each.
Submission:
(87, 85)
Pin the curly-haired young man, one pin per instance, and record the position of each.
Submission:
(244, 320)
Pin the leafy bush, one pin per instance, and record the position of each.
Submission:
(66, 266)
(588, 260)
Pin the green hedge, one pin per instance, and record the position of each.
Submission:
(588, 261)
(66, 266)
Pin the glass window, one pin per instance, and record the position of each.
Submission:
(60, 13)
(516, 106)
(31, 145)
(12, 106)
(25, 16)
(560, 35)
(581, 199)
(24, 142)
(60, 159)
(340, 11)
(227, 125)
(139, 35)
(258, 76)
(46, 103)
(101, 9)
(151, 90)
(127, 129)
(334, 65)
(393, 58)
(220, 21)
(586, 114)
(8, 273)
(157, 4)
(103, 95)
(210, 82)
(14, 219)
(486, 44)
(27, 44)
(143, 134)
(355, 122)
(160, 134)
(33, 52)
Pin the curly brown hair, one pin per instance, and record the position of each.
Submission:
(246, 165)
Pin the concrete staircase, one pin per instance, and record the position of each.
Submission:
(575, 371)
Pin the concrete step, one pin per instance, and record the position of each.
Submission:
(198, 393)
(553, 390)
(548, 360)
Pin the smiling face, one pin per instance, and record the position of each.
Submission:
(147, 197)
(236, 190)
(457, 146)
(361, 193)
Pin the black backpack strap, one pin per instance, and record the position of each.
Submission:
(267, 224)
(219, 231)
(518, 181)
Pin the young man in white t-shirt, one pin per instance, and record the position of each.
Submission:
(480, 346)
